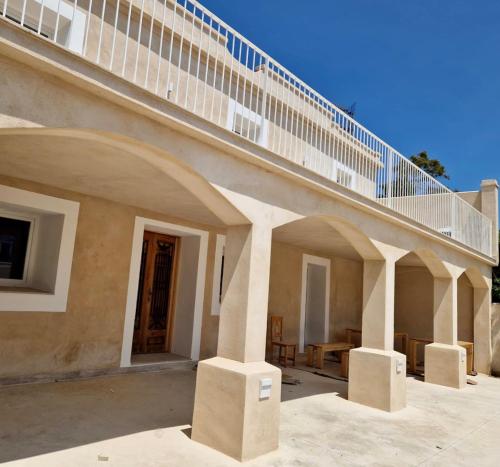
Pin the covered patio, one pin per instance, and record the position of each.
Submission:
(144, 419)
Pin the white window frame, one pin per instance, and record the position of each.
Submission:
(235, 108)
(220, 245)
(348, 170)
(38, 205)
(33, 220)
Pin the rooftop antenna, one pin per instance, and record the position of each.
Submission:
(351, 110)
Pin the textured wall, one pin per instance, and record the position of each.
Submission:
(495, 338)
(89, 334)
(346, 291)
(414, 304)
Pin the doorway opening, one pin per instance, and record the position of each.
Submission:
(165, 294)
(156, 293)
(315, 301)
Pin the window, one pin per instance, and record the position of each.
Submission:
(15, 239)
(37, 236)
(218, 274)
(344, 175)
(246, 123)
(42, 16)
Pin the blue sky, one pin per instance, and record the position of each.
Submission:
(425, 74)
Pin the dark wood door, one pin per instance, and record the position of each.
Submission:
(154, 312)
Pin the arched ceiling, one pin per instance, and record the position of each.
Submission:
(100, 170)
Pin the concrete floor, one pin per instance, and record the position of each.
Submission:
(143, 420)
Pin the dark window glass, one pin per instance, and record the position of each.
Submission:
(14, 234)
(221, 278)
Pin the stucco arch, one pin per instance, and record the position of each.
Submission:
(319, 232)
(476, 278)
(162, 161)
(431, 260)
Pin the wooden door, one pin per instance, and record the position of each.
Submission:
(154, 311)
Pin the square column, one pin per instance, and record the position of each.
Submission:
(482, 330)
(233, 411)
(445, 361)
(377, 374)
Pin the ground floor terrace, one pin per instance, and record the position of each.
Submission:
(126, 260)
(145, 420)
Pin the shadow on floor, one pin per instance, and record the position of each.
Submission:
(41, 418)
(313, 381)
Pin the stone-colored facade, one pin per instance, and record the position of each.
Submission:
(75, 131)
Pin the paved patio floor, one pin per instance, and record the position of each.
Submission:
(143, 420)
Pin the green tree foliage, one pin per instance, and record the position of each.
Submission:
(431, 166)
(410, 183)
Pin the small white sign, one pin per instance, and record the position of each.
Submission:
(265, 388)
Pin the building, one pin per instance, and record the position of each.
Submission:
(164, 184)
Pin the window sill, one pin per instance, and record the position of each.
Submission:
(7, 289)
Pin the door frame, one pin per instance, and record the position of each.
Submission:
(320, 261)
(141, 225)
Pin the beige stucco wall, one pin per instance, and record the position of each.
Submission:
(414, 304)
(285, 288)
(495, 338)
(89, 334)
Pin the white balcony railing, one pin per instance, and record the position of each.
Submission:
(180, 51)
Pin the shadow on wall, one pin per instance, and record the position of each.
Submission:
(495, 339)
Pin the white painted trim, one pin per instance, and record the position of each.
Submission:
(306, 260)
(219, 253)
(38, 205)
(142, 224)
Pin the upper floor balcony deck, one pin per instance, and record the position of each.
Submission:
(183, 53)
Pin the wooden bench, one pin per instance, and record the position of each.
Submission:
(316, 352)
(397, 335)
(344, 364)
(412, 352)
(469, 347)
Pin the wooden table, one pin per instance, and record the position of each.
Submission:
(397, 335)
(316, 352)
(469, 347)
(412, 352)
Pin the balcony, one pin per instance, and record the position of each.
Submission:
(183, 53)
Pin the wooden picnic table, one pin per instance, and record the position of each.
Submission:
(397, 335)
(316, 352)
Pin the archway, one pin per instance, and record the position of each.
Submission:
(473, 303)
(316, 285)
(414, 304)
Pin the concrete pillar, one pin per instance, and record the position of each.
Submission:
(445, 361)
(377, 374)
(489, 207)
(231, 413)
(482, 330)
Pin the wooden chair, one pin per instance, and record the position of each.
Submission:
(287, 351)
